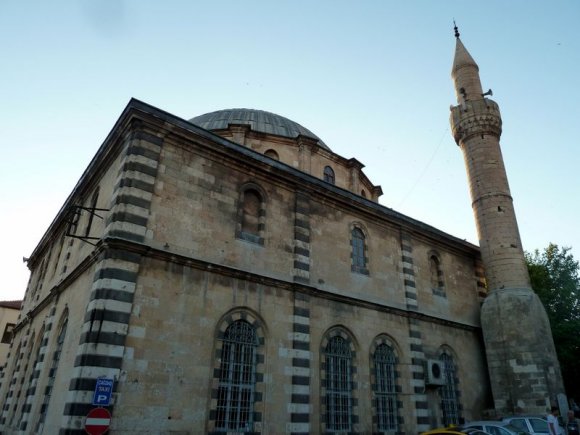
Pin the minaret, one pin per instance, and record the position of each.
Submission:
(523, 366)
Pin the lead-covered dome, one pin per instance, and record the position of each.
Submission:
(258, 120)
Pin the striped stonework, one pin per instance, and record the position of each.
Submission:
(302, 238)
(131, 202)
(258, 392)
(301, 371)
(37, 368)
(102, 343)
(408, 272)
(17, 375)
(381, 340)
(417, 366)
(353, 412)
(33, 392)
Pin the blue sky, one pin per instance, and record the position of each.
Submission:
(371, 78)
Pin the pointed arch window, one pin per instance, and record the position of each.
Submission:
(385, 388)
(358, 254)
(448, 392)
(237, 379)
(338, 385)
(329, 175)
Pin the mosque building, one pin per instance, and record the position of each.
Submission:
(231, 273)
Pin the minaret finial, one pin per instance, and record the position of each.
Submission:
(456, 29)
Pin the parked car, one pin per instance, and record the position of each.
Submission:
(533, 424)
(455, 430)
(495, 427)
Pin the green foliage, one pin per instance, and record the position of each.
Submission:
(555, 278)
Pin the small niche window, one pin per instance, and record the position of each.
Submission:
(329, 175)
(358, 255)
(272, 154)
(251, 215)
(436, 275)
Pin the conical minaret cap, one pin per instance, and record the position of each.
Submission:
(465, 73)
(462, 58)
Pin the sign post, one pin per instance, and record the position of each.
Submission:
(97, 421)
(103, 392)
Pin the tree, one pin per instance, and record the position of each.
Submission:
(555, 277)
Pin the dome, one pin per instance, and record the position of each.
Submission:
(258, 120)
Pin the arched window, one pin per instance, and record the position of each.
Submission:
(436, 275)
(338, 385)
(448, 392)
(358, 255)
(251, 216)
(363, 193)
(385, 388)
(329, 175)
(52, 372)
(272, 154)
(237, 379)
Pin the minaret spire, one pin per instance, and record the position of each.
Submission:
(456, 29)
(521, 357)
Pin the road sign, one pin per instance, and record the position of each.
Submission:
(97, 421)
(103, 391)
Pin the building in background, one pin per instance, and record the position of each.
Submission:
(8, 314)
(231, 273)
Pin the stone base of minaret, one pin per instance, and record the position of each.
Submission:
(523, 366)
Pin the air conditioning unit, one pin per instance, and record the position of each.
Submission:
(435, 373)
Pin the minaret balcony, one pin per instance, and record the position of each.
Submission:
(472, 118)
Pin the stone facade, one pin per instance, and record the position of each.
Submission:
(178, 244)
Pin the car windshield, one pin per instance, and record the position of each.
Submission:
(519, 424)
(539, 425)
(515, 429)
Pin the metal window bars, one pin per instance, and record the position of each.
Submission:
(385, 389)
(237, 379)
(449, 400)
(338, 386)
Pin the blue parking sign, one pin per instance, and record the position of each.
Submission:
(103, 392)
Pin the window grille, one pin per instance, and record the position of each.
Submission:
(329, 175)
(237, 379)
(449, 401)
(358, 251)
(338, 385)
(385, 389)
